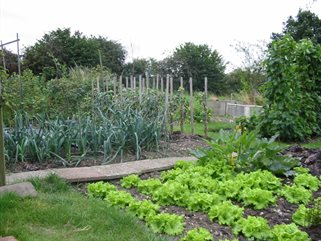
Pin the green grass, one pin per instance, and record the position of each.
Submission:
(61, 213)
(213, 128)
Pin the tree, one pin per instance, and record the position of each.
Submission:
(306, 25)
(198, 62)
(11, 61)
(60, 49)
(251, 74)
(141, 66)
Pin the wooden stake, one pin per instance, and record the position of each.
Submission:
(115, 85)
(166, 101)
(157, 80)
(182, 111)
(162, 85)
(98, 86)
(121, 87)
(205, 108)
(2, 157)
(171, 101)
(134, 83)
(191, 104)
(126, 82)
(140, 89)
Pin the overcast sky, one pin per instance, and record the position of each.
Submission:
(153, 28)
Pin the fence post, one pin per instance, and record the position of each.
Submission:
(134, 83)
(205, 108)
(191, 104)
(162, 84)
(121, 87)
(182, 112)
(2, 157)
(126, 82)
(115, 85)
(171, 102)
(140, 89)
(157, 80)
(166, 101)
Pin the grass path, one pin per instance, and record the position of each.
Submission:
(61, 213)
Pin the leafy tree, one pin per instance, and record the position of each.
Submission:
(293, 90)
(60, 49)
(141, 67)
(197, 61)
(251, 74)
(10, 59)
(306, 25)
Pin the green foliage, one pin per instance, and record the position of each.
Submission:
(27, 92)
(226, 213)
(301, 170)
(300, 216)
(293, 91)
(308, 181)
(170, 224)
(296, 194)
(100, 189)
(143, 209)
(253, 228)
(171, 192)
(247, 123)
(257, 197)
(120, 199)
(130, 181)
(306, 25)
(149, 186)
(198, 201)
(50, 184)
(198, 234)
(288, 232)
(197, 61)
(60, 49)
(314, 212)
(245, 151)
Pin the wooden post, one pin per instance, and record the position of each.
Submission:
(171, 102)
(121, 87)
(106, 83)
(147, 82)
(134, 83)
(205, 108)
(191, 104)
(162, 84)
(182, 111)
(143, 85)
(98, 86)
(157, 80)
(166, 102)
(115, 85)
(131, 82)
(126, 82)
(2, 157)
(140, 89)
(154, 83)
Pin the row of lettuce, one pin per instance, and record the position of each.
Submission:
(214, 188)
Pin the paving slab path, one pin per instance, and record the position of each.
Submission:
(103, 172)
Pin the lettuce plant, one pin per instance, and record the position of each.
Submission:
(257, 197)
(226, 213)
(149, 186)
(100, 189)
(296, 194)
(288, 232)
(143, 209)
(199, 201)
(198, 234)
(300, 216)
(120, 199)
(170, 224)
(130, 181)
(308, 181)
(253, 228)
